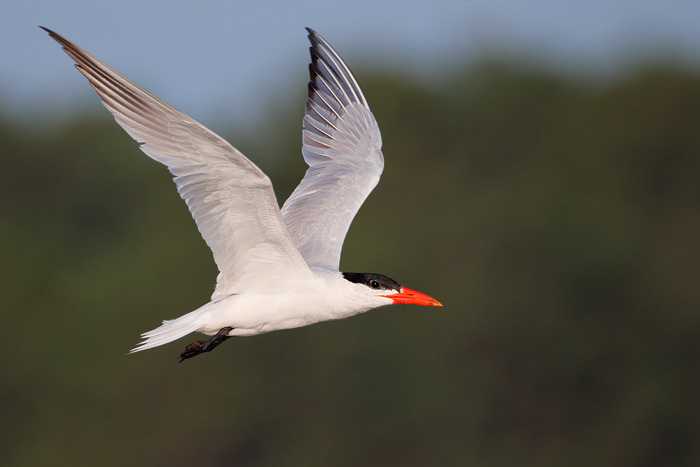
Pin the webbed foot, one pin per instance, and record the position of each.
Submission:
(198, 347)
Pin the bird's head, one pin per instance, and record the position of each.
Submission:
(379, 285)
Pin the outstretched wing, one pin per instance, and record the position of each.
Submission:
(230, 198)
(342, 146)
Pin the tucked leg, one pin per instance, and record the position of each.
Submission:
(198, 347)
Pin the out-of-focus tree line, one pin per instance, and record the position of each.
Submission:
(558, 220)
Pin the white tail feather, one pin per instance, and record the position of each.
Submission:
(172, 330)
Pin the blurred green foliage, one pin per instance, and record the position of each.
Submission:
(557, 220)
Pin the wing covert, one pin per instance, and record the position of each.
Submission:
(342, 146)
(230, 198)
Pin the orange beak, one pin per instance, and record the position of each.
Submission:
(411, 297)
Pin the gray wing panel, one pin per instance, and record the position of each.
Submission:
(342, 146)
(230, 198)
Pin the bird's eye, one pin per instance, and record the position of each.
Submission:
(374, 284)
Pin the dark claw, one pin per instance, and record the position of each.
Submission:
(195, 348)
(198, 347)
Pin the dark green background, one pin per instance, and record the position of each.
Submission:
(557, 218)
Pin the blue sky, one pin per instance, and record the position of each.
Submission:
(214, 59)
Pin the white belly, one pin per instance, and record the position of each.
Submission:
(252, 313)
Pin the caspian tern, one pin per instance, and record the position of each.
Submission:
(279, 269)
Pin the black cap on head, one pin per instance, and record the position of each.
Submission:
(373, 281)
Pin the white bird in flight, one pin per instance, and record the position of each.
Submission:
(279, 269)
